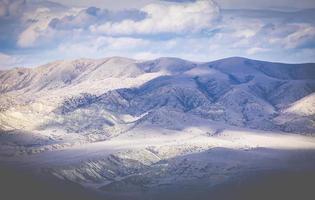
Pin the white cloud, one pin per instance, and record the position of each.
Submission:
(7, 61)
(255, 50)
(28, 37)
(192, 30)
(175, 18)
(108, 4)
(285, 36)
(234, 4)
(266, 4)
(303, 37)
(38, 32)
(11, 8)
(160, 18)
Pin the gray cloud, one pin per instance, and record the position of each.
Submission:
(10, 21)
(18, 15)
(267, 4)
(231, 4)
(11, 8)
(180, 1)
(93, 15)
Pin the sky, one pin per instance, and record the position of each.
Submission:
(34, 32)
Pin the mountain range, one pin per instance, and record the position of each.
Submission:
(133, 129)
(235, 91)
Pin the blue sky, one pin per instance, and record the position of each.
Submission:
(34, 32)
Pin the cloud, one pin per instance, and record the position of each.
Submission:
(234, 4)
(183, 18)
(11, 8)
(5, 60)
(180, 1)
(101, 46)
(92, 16)
(11, 12)
(175, 18)
(50, 28)
(36, 20)
(267, 4)
(285, 35)
(303, 38)
(32, 33)
(8, 61)
(21, 22)
(255, 50)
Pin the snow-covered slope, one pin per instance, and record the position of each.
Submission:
(136, 128)
(236, 91)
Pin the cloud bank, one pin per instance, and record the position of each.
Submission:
(33, 33)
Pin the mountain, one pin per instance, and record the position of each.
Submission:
(236, 91)
(150, 129)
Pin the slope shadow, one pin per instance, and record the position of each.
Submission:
(17, 185)
(291, 182)
(296, 181)
(288, 185)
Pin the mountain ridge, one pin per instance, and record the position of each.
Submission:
(120, 125)
(237, 91)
